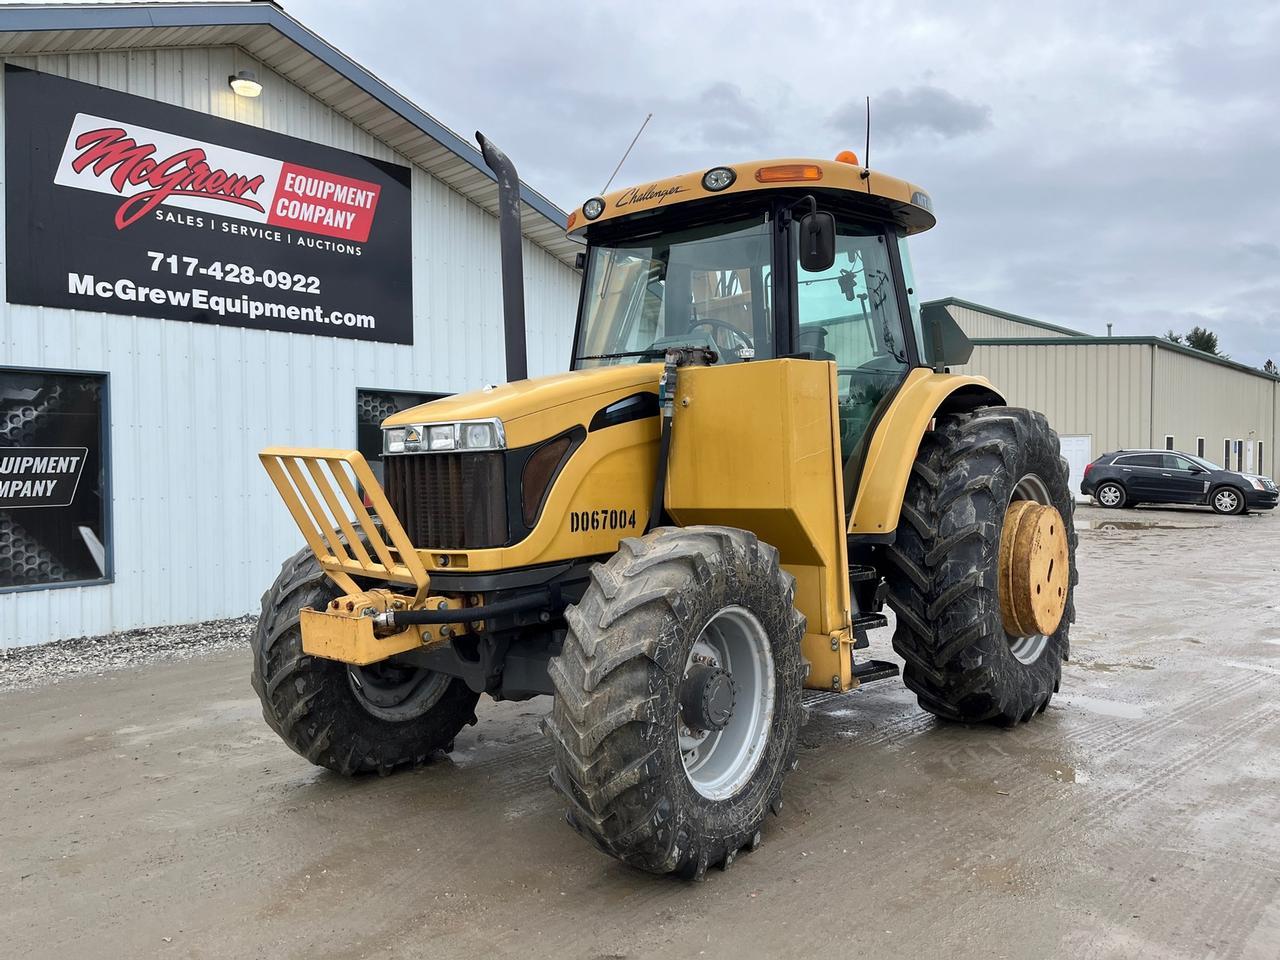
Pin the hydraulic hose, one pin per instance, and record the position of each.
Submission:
(394, 619)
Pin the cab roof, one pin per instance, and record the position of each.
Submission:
(906, 204)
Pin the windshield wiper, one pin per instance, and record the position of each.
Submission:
(651, 352)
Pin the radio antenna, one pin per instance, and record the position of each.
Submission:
(866, 153)
(647, 118)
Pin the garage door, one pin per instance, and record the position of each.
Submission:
(1078, 452)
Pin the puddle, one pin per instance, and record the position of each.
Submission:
(1107, 708)
(1105, 525)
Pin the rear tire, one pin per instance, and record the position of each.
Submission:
(943, 576)
(623, 761)
(1111, 495)
(1226, 500)
(348, 719)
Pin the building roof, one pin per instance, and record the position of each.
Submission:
(1159, 342)
(980, 308)
(275, 39)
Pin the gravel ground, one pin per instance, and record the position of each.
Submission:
(22, 667)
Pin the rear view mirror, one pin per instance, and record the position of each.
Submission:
(944, 344)
(817, 242)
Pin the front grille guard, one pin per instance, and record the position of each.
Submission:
(322, 488)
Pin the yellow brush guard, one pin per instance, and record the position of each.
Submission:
(322, 489)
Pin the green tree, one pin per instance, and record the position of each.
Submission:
(1204, 340)
(1173, 337)
(1271, 368)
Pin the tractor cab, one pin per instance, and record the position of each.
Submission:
(795, 258)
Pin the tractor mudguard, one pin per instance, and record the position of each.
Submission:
(892, 451)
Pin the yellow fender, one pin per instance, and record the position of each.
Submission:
(878, 501)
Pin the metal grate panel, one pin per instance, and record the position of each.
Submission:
(449, 501)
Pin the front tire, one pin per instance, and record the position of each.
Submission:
(1227, 501)
(677, 626)
(961, 662)
(349, 719)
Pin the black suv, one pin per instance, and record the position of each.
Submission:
(1129, 477)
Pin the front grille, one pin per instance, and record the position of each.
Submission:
(449, 501)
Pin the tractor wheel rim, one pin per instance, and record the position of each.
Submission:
(719, 763)
(394, 692)
(1109, 495)
(1034, 569)
(1226, 500)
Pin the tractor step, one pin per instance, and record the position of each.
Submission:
(859, 572)
(870, 621)
(868, 671)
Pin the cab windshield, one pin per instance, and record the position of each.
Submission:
(705, 286)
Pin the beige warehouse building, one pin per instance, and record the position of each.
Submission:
(1110, 393)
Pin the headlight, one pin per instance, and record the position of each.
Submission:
(1257, 483)
(593, 208)
(443, 437)
(393, 440)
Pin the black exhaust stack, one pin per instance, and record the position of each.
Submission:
(511, 237)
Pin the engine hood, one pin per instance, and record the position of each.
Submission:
(530, 409)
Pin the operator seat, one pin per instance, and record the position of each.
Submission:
(813, 341)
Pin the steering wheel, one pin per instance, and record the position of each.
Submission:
(714, 324)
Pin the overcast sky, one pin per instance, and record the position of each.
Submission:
(1093, 163)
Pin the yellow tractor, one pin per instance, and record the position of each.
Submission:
(758, 444)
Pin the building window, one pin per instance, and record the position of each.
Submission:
(1261, 468)
(1168, 441)
(1239, 456)
(1226, 454)
(54, 479)
(374, 406)
(1200, 447)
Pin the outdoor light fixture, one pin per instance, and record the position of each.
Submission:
(245, 83)
(718, 178)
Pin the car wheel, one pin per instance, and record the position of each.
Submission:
(1227, 500)
(1110, 495)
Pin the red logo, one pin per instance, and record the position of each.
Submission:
(133, 164)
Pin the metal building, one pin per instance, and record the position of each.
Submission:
(1109, 393)
(172, 519)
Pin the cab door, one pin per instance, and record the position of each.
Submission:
(852, 316)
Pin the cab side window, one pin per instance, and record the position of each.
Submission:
(849, 314)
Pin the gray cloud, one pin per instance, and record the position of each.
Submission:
(898, 115)
(1090, 161)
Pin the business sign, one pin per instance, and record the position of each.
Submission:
(53, 478)
(120, 204)
(40, 476)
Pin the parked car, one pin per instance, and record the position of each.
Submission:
(1126, 478)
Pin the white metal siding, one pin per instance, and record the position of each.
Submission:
(1103, 390)
(1134, 394)
(198, 532)
(1222, 403)
(979, 325)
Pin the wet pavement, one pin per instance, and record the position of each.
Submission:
(148, 811)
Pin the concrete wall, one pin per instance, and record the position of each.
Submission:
(199, 532)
